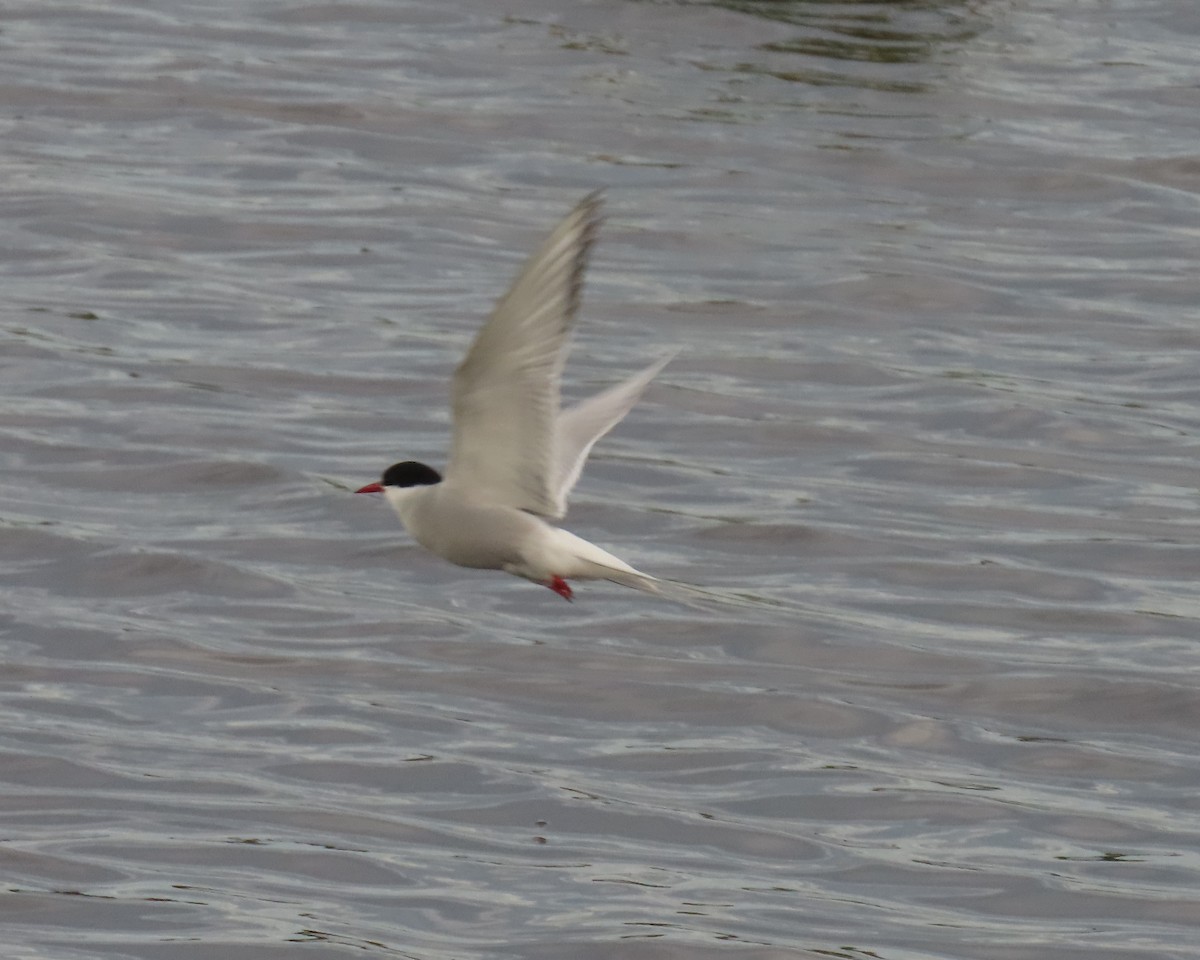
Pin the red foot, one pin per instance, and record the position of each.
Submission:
(561, 587)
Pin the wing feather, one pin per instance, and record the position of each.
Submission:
(506, 390)
(583, 424)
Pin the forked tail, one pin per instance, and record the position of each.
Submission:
(708, 599)
(627, 577)
(586, 561)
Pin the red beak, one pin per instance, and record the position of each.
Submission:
(371, 488)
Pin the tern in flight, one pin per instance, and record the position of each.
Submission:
(515, 454)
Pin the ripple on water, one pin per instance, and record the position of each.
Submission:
(931, 266)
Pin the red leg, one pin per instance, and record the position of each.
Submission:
(561, 587)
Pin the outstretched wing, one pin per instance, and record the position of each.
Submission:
(506, 390)
(583, 424)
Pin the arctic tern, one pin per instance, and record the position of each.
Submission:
(515, 456)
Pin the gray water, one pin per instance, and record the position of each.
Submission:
(933, 269)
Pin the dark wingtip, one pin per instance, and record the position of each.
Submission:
(593, 205)
(589, 210)
(595, 199)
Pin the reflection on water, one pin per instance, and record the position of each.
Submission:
(902, 48)
(863, 33)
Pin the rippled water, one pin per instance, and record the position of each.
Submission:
(933, 266)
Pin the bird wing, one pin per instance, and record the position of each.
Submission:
(506, 390)
(582, 425)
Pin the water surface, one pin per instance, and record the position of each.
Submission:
(933, 267)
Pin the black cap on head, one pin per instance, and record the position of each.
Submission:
(410, 474)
